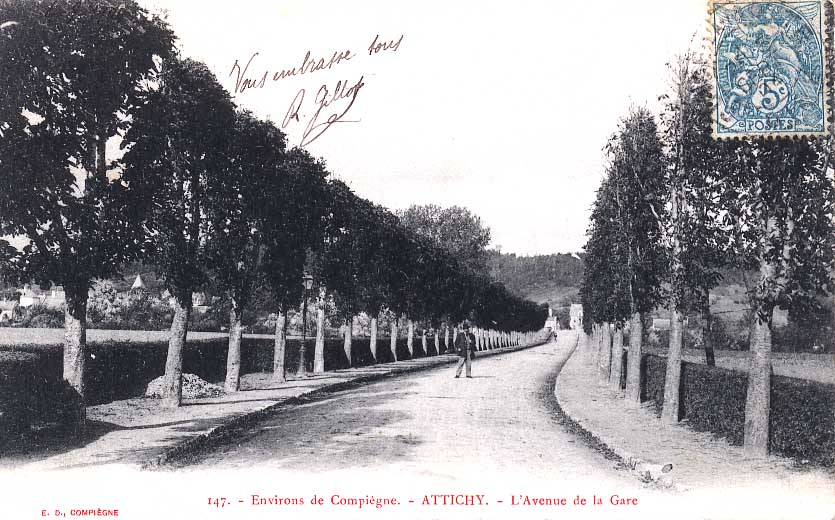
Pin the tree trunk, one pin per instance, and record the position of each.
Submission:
(319, 350)
(585, 347)
(672, 379)
(633, 360)
(280, 348)
(349, 332)
(604, 358)
(617, 358)
(410, 338)
(707, 330)
(758, 397)
(173, 382)
(437, 342)
(373, 339)
(446, 338)
(75, 344)
(423, 342)
(233, 355)
(394, 339)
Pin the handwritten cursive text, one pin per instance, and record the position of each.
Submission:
(336, 102)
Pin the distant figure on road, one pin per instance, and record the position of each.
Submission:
(465, 346)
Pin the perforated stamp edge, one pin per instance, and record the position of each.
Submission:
(827, 14)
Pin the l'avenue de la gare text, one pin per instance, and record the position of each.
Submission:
(444, 500)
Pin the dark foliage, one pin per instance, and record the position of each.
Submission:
(653, 370)
(713, 400)
(802, 422)
(33, 396)
(121, 370)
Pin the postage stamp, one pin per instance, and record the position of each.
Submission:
(769, 68)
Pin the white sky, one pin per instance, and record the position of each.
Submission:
(502, 107)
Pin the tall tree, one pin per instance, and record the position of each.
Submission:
(238, 213)
(455, 229)
(698, 240)
(782, 199)
(180, 151)
(72, 70)
(637, 184)
(294, 224)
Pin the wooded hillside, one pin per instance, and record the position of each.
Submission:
(554, 279)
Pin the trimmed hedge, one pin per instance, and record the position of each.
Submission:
(653, 373)
(802, 424)
(802, 419)
(31, 398)
(121, 370)
(33, 395)
(713, 400)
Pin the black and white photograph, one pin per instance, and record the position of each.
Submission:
(421, 260)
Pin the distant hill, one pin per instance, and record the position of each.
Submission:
(553, 279)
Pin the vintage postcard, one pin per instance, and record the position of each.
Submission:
(472, 259)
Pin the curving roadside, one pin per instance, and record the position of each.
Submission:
(696, 463)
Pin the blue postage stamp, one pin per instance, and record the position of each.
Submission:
(769, 68)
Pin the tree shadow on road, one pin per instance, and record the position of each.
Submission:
(49, 443)
(346, 429)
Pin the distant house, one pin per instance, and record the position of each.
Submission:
(53, 298)
(661, 323)
(138, 283)
(552, 322)
(201, 302)
(575, 315)
(7, 309)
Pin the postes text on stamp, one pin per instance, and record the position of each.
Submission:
(769, 68)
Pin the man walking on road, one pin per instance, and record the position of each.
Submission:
(465, 345)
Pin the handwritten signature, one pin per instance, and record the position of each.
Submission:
(325, 101)
(330, 106)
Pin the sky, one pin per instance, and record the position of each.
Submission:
(501, 107)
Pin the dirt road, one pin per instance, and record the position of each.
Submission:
(420, 436)
(497, 421)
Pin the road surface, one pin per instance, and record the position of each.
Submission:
(500, 420)
(424, 435)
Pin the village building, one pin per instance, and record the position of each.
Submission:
(138, 283)
(552, 322)
(7, 310)
(53, 298)
(575, 316)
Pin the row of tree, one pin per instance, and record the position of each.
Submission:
(200, 188)
(676, 208)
